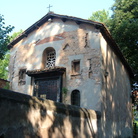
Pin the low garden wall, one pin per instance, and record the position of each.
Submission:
(24, 116)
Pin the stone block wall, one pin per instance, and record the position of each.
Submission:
(23, 116)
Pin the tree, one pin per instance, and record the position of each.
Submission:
(124, 29)
(4, 66)
(4, 39)
(15, 34)
(100, 16)
(4, 62)
(123, 26)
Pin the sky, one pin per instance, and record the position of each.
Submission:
(23, 13)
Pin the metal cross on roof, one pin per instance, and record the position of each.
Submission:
(49, 7)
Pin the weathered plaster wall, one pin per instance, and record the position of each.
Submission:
(116, 101)
(29, 117)
(71, 41)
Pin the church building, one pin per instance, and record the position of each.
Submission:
(73, 61)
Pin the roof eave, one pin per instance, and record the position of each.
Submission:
(43, 20)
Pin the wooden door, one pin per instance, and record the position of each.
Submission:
(49, 88)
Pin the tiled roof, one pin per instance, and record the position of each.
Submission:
(3, 80)
(46, 70)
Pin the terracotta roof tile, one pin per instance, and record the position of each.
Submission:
(46, 70)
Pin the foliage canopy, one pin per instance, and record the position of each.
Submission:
(100, 16)
(123, 25)
(4, 39)
(4, 66)
(4, 62)
(124, 29)
(15, 34)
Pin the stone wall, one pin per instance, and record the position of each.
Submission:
(23, 116)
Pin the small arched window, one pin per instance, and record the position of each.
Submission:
(49, 58)
(75, 97)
